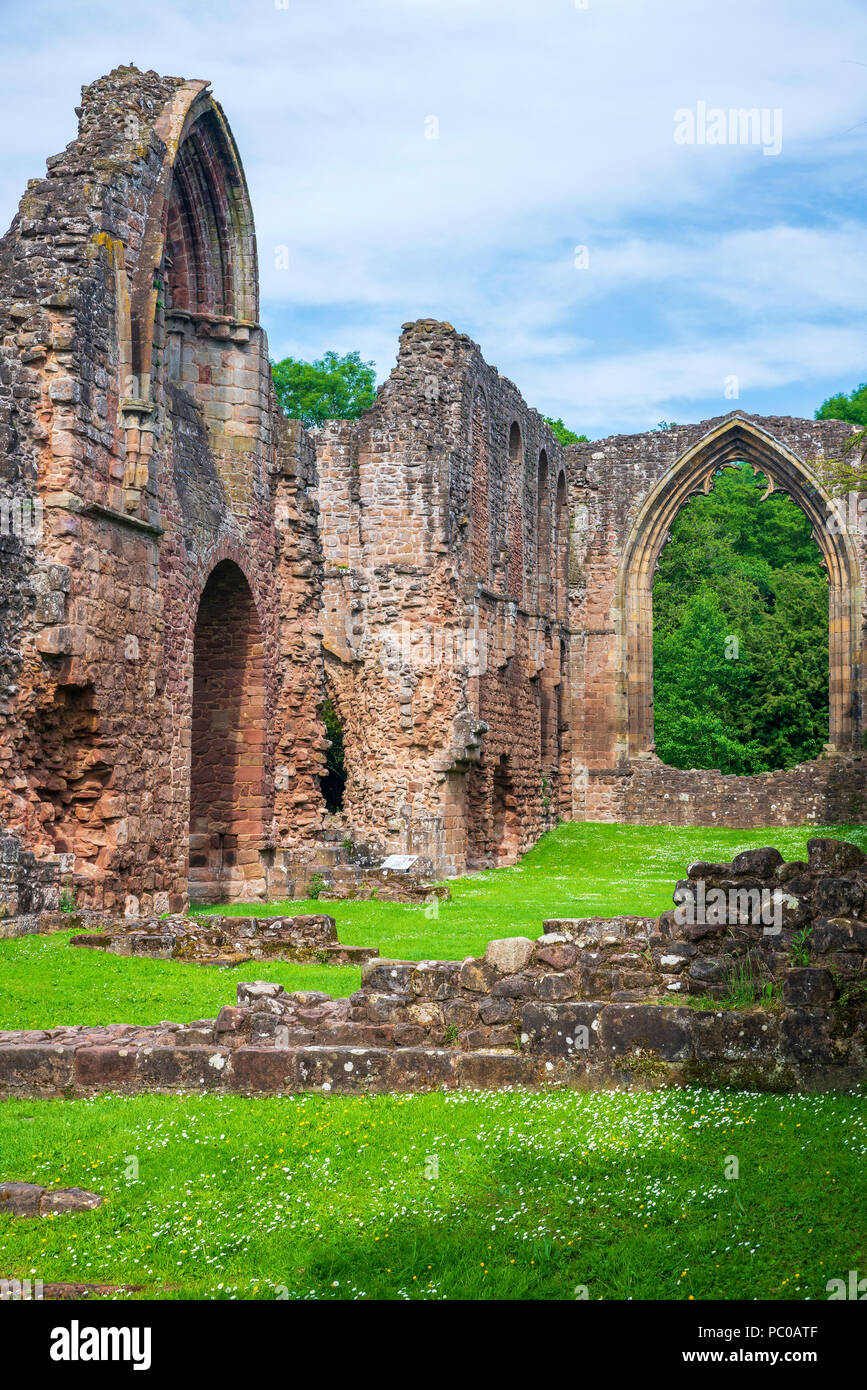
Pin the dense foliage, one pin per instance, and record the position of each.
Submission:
(740, 650)
(842, 407)
(564, 434)
(331, 388)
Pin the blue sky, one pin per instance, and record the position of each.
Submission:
(555, 129)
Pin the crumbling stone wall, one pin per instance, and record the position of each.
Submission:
(443, 648)
(580, 1006)
(136, 406)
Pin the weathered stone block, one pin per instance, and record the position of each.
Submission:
(20, 1198)
(105, 1068)
(760, 863)
(557, 955)
(266, 1070)
(344, 1069)
(388, 976)
(67, 1199)
(731, 1034)
(833, 855)
(838, 897)
(424, 1069)
(806, 1036)
(36, 1067)
(197, 1068)
(435, 979)
(809, 986)
(666, 1032)
(565, 985)
(561, 1030)
(491, 1070)
(510, 955)
(838, 935)
(477, 976)
(514, 987)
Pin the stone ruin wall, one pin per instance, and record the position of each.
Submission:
(136, 403)
(445, 651)
(624, 494)
(474, 599)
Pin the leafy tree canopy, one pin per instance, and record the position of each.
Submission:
(564, 434)
(331, 388)
(842, 407)
(740, 633)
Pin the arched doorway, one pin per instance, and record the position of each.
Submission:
(736, 439)
(228, 742)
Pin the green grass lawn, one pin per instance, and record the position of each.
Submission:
(471, 1195)
(577, 870)
(476, 1195)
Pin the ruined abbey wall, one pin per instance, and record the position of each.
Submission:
(443, 647)
(136, 406)
(187, 575)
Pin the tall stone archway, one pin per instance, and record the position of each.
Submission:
(735, 439)
(228, 801)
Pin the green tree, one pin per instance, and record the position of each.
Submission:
(740, 607)
(842, 407)
(564, 434)
(331, 388)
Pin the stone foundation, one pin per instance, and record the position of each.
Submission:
(589, 1003)
(214, 940)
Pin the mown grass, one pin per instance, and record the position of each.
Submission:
(577, 870)
(475, 1195)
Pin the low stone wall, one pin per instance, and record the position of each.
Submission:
(591, 1002)
(646, 791)
(213, 940)
(258, 1046)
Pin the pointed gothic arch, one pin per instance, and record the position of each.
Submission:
(734, 440)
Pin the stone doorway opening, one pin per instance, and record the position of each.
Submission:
(228, 743)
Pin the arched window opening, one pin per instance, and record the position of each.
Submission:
(333, 784)
(740, 631)
(480, 538)
(516, 515)
(543, 534)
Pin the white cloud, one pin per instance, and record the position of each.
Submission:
(555, 128)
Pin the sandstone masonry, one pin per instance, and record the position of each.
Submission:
(187, 576)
